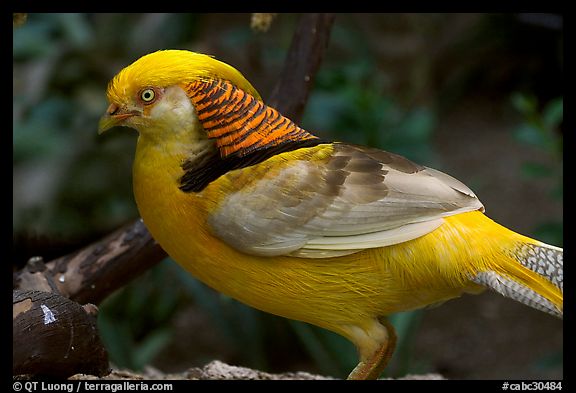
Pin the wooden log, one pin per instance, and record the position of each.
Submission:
(54, 336)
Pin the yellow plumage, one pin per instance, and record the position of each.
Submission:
(335, 235)
(173, 69)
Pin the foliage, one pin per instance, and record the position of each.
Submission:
(71, 184)
(540, 130)
(134, 323)
(362, 113)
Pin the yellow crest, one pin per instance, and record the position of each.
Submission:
(171, 67)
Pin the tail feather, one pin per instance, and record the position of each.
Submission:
(544, 259)
(533, 275)
(514, 290)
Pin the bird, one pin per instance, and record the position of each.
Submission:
(333, 234)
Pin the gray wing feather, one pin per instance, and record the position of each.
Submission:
(360, 198)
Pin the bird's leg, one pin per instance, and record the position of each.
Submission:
(372, 366)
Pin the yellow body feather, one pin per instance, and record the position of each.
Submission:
(464, 251)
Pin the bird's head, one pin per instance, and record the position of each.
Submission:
(191, 104)
(150, 94)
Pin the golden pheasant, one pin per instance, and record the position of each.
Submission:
(333, 234)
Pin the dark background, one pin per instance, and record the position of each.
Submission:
(478, 96)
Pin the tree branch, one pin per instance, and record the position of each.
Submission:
(305, 55)
(92, 273)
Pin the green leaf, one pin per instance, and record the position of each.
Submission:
(524, 103)
(418, 125)
(553, 113)
(35, 40)
(151, 346)
(536, 170)
(558, 191)
(314, 346)
(333, 354)
(530, 135)
(550, 232)
(552, 360)
(117, 338)
(406, 325)
(76, 29)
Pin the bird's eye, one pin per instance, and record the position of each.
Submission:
(148, 95)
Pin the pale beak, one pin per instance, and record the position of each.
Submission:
(113, 117)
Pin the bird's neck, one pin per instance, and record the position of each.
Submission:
(238, 122)
(245, 132)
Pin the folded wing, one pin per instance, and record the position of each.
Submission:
(353, 199)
